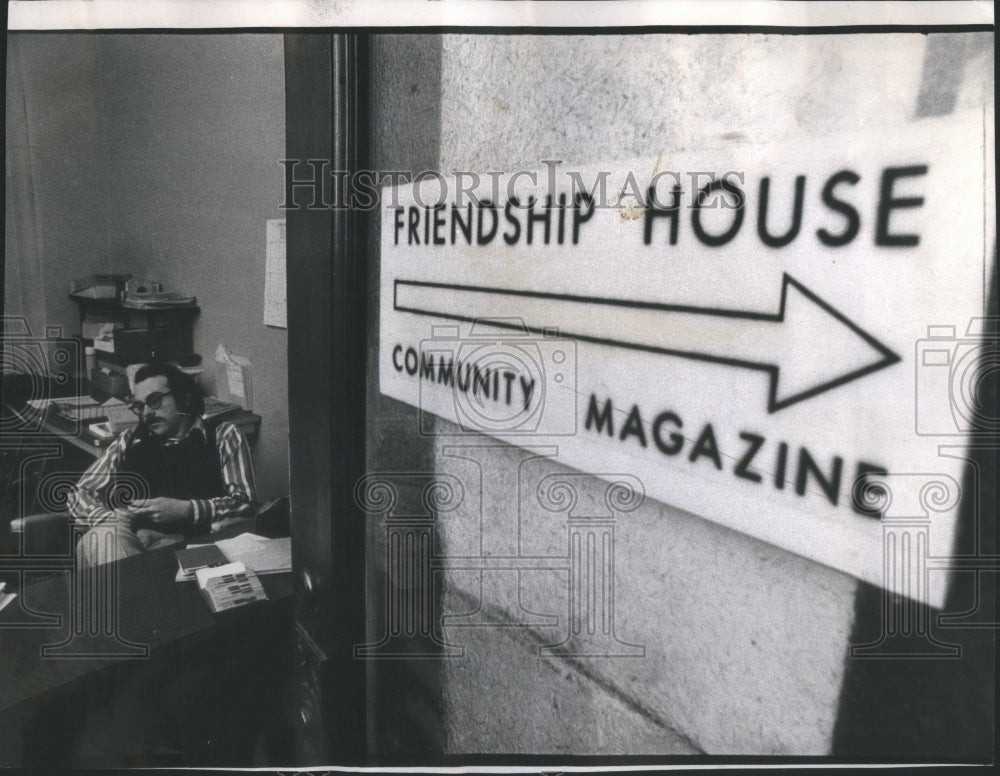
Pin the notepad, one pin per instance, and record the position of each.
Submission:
(198, 557)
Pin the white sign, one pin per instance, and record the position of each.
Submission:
(772, 338)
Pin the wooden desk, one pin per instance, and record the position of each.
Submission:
(167, 638)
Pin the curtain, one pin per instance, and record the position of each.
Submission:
(24, 277)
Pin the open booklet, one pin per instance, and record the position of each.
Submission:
(226, 587)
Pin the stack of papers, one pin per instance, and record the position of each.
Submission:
(233, 377)
(152, 300)
(257, 553)
(79, 408)
(102, 333)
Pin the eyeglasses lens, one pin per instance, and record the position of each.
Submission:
(153, 401)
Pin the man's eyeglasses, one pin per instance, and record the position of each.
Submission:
(153, 401)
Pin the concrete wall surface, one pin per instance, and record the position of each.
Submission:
(744, 643)
(723, 644)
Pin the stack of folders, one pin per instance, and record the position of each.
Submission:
(151, 300)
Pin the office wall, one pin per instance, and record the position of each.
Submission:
(744, 645)
(158, 155)
(57, 201)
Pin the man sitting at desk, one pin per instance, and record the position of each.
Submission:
(165, 481)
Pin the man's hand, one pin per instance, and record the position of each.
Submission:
(162, 511)
(125, 518)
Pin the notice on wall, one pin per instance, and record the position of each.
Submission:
(785, 340)
(275, 307)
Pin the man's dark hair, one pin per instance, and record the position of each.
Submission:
(182, 385)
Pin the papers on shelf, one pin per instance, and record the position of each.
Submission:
(156, 299)
(233, 377)
(79, 408)
(102, 333)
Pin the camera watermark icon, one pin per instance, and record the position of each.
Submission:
(34, 368)
(952, 378)
(498, 379)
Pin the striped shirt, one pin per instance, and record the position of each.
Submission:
(87, 501)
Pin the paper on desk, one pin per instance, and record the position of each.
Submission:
(257, 553)
(245, 542)
(262, 555)
(41, 404)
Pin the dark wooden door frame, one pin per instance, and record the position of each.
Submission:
(326, 121)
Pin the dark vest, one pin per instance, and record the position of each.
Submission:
(189, 469)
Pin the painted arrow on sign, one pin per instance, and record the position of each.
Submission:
(806, 348)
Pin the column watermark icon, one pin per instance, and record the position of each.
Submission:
(413, 621)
